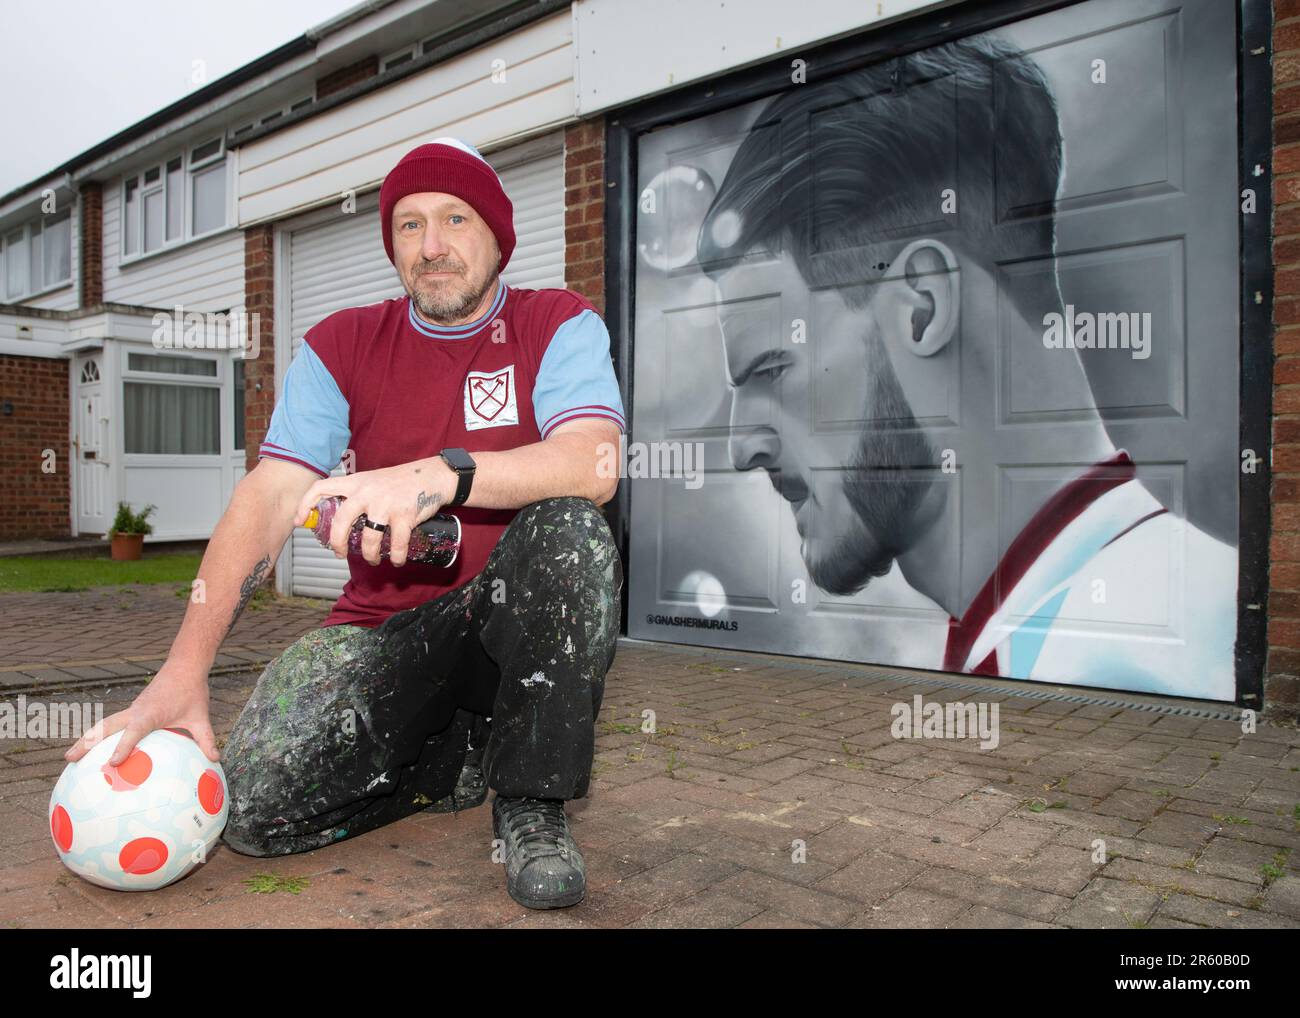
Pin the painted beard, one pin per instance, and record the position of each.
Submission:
(446, 305)
(885, 482)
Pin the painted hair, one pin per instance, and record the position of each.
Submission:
(831, 170)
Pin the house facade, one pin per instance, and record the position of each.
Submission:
(1096, 369)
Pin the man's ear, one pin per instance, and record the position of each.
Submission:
(924, 293)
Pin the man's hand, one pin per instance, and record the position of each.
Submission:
(174, 699)
(402, 497)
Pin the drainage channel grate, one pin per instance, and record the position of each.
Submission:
(1226, 713)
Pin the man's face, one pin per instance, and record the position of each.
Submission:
(446, 255)
(853, 507)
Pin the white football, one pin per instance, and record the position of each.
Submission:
(144, 823)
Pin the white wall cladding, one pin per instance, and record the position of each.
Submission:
(355, 145)
(691, 40)
(207, 275)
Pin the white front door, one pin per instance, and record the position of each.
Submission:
(90, 449)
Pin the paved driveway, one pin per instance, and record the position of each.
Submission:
(771, 793)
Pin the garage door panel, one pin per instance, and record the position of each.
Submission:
(951, 412)
(1134, 104)
(694, 550)
(1124, 310)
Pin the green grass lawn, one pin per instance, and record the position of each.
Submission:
(39, 573)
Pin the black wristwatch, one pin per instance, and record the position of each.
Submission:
(463, 463)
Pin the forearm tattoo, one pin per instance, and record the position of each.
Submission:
(249, 587)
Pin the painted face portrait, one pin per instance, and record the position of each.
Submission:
(853, 522)
(918, 449)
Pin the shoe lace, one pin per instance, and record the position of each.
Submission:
(539, 826)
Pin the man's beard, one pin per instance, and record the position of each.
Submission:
(447, 304)
(885, 482)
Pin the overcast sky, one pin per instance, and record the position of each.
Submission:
(78, 71)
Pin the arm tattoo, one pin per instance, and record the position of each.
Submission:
(249, 587)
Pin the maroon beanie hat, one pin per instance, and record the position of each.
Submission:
(450, 166)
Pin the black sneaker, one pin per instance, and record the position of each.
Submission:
(544, 868)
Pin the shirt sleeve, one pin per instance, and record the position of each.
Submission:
(309, 425)
(576, 376)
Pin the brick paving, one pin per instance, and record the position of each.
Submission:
(126, 631)
(771, 794)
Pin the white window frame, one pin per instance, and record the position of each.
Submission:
(33, 247)
(189, 168)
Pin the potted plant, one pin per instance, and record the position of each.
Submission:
(128, 530)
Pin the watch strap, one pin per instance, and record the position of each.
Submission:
(464, 477)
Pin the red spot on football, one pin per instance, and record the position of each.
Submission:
(61, 828)
(131, 773)
(212, 793)
(142, 855)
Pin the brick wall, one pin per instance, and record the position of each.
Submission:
(259, 374)
(90, 224)
(584, 210)
(337, 81)
(34, 503)
(1280, 688)
(259, 299)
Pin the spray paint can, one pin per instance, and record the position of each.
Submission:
(434, 542)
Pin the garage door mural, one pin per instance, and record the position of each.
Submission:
(940, 359)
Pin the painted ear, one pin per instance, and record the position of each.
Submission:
(929, 282)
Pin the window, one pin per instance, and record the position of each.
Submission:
(131, 216)
(56, 236)
(175, 200)
(209, 199)
(36, 256)
(16, 264)
(177, 412)
(178, 200)
(402, 56)
(171, 365)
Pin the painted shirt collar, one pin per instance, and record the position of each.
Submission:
(1069, 528)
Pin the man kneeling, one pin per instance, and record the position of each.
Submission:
(426, 684)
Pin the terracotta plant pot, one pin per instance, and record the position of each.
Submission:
(127, 547)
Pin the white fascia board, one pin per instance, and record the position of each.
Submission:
(611, 66)
(23, 205)
(358, 29)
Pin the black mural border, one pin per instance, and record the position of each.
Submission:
(1255, 149)
(624, 125)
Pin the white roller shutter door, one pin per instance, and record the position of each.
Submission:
(342, 264)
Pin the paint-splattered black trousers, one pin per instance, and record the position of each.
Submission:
(352, 728)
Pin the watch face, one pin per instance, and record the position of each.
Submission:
(458, 459)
